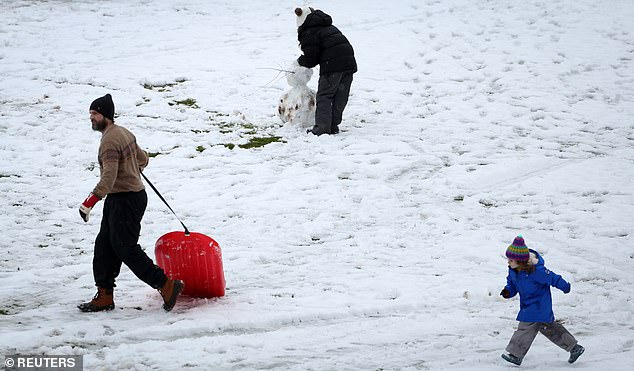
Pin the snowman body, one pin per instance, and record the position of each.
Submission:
(297, 106)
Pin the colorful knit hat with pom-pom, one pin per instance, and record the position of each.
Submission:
(518, 250)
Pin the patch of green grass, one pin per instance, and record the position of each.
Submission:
(153, 154)
(243, 128)
(225, 127)
(487, 203)
(145, 100)
(200, 149)
(249, 129)
(260, 142)
(163, 87)
(159, 87)
(217, 114)
(238, 125)
(189, 102)
(4, 312)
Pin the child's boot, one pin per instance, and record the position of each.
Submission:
(575, 353)
(511, 358)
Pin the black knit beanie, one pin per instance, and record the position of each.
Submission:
(104, 105)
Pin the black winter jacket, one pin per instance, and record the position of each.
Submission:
(323, 44)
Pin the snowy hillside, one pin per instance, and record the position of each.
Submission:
(380, 248)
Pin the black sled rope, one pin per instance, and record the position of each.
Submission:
(166, 204)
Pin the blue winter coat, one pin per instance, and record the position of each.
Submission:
(536, 304)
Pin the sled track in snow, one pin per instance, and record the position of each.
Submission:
(115, 339)
(511, 181)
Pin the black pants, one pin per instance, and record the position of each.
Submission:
(332, 96)
(117, 242)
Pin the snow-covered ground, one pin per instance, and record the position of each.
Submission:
(380, 248)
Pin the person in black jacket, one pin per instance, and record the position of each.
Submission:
(323, 44)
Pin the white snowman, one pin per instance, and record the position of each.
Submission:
(297, 106)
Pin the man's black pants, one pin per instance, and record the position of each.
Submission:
(117, 242)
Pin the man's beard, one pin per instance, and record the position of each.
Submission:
(99, 125)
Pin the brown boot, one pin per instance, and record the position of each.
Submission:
(103, 300)
(170, 291)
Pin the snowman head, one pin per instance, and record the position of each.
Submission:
(300, 76)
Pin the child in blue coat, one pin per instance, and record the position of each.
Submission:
(528, 277)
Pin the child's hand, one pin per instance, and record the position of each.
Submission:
(505, 293)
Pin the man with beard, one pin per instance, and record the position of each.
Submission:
(121, 161)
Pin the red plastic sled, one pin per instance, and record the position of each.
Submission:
(194, 258)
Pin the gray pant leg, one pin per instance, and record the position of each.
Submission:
(522, 338)
(326, 91)
(341, 100)
(558, 334)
